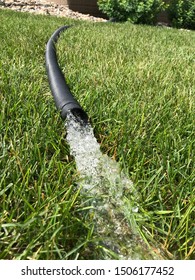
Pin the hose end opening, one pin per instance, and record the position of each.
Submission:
(80, 116)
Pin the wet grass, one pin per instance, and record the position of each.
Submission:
(137, 85)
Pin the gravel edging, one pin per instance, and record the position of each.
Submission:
(45, 7)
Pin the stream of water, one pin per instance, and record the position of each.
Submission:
(102, 180)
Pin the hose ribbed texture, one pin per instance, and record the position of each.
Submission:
(64, 100)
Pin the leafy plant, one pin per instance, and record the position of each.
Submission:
(136, 11)
(182, 13)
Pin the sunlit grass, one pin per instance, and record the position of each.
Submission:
(137, 85)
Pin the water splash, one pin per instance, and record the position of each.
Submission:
(105, 183)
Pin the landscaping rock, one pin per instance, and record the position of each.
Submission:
(46, 8)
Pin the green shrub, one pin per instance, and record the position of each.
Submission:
(136, 11)
(182, 13)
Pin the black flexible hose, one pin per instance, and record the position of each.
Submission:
(64, 100)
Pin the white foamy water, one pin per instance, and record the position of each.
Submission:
(91, 163)
(102, 179)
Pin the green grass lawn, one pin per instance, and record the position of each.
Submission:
(137, 84)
